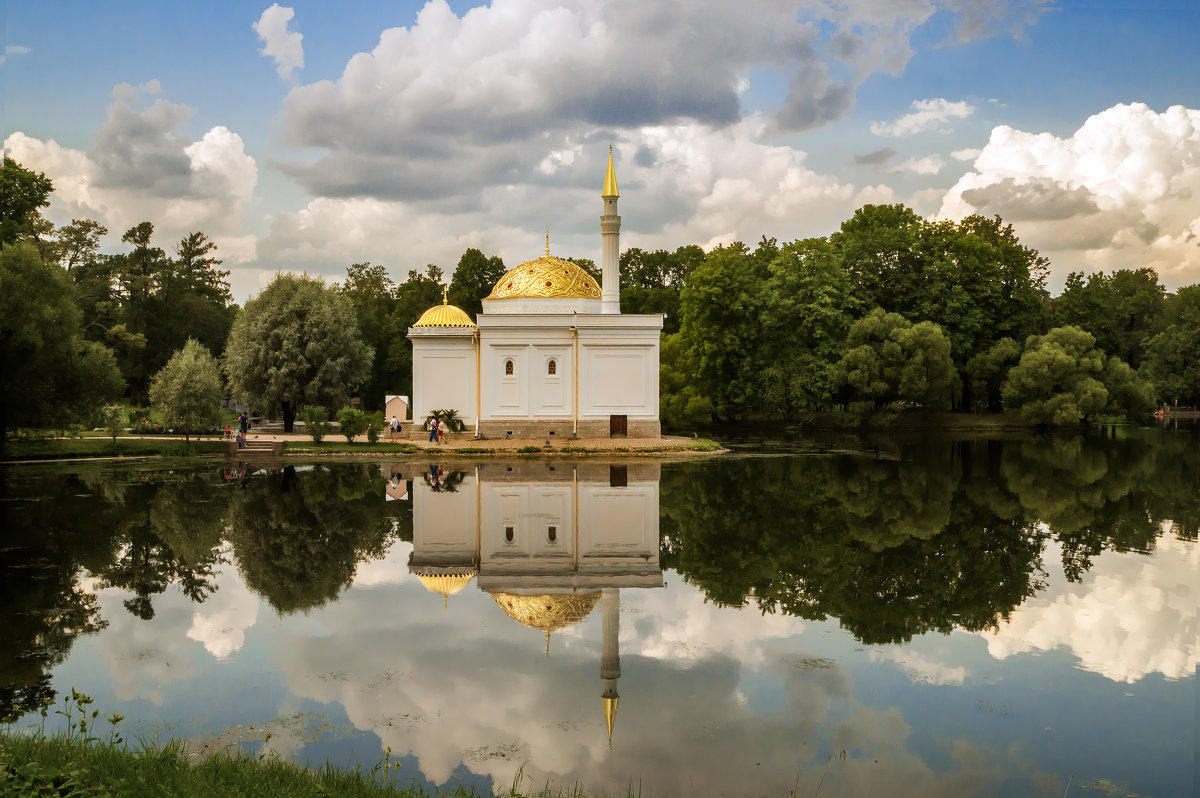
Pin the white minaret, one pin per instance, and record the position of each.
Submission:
(610, 246)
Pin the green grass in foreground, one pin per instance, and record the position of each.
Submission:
(55, 765)
(62, 448)
(91, 760)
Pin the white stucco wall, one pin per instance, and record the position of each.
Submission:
(444, 374)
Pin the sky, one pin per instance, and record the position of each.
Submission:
(311, 136)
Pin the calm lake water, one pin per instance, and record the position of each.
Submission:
(856, 617)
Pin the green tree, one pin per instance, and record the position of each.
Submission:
(374, 297)
(296, 343)
(721, 328)
(973, 278)
(1173, 356)
(1120, 309)
(887, 359)
(351, 423)
(22, 193)
(652, 282)
(1128, 395)
(680, 402)
(474, 278)
(1058, 380)
(49, 373)
(987, 371)
(808, 305)
(188, 390)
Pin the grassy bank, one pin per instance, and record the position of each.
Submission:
(54, 765)
(67, 448)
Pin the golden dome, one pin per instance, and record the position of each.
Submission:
(546, 276)
(548, 613)
(444, 315)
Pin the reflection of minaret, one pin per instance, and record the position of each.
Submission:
(610, 657)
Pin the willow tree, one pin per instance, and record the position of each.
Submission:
(297, 343)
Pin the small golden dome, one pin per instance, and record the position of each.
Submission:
(546, 276)
(548, 613)
(444, 315)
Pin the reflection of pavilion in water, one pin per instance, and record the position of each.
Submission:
(548, 542)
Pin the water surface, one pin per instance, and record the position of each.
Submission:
(885, 616)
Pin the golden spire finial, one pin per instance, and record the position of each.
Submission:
(445, 295)
(610, 712)
(547, 642)
(547, 243)
(610, 178)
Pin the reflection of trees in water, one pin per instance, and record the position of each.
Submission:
(1097, 493)
(174, 538)
(298, 538)
(53, 526)
(131, 529)
(947, 537)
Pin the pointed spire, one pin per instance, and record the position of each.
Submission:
(610, 178)
(547, 642)
(445, 295)
(547, 243)
(610, 713)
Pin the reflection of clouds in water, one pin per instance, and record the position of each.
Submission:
(144, 656)
(389, 569)
(1132, 615)
(478, 690)
(920, 667)
(679, 624)
(220, 623)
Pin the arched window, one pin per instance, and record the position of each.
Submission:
(552, 534)
(552, 367)
(508, 534)
(508, 368)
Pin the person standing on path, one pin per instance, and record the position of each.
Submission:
(443, 431)
(432, 425)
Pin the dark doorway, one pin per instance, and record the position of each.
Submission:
(618, 426)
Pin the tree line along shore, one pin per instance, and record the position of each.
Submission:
(892, 313)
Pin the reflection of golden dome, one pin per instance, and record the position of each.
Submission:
(546, 276)
(447, 584)
(548, 613)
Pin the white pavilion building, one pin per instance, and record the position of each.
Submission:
(551, 355)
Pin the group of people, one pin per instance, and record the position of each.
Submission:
(438, 431)
(243, 428)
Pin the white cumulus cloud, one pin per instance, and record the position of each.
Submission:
(1122, 190)
(143, 167)
(284, 45)
(926, 115)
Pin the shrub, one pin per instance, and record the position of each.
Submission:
(375, 425)
(316, 421)
(351, 423)
(112, 420)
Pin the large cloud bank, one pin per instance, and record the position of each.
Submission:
(1121, 191)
